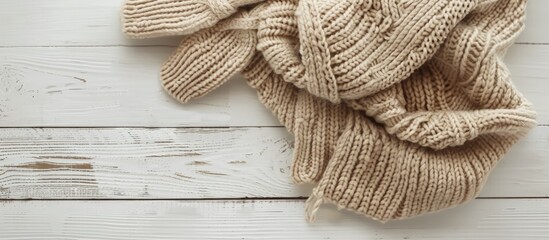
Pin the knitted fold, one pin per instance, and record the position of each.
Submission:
(316, 125)
(352, 49)
(157, 18)
(378, 175)
(367, 169)
(464, 91)
(207, 59)
(398, 108)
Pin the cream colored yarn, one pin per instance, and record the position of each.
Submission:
(210, 59)
(157, 18)
(398, 108)
(351, 49)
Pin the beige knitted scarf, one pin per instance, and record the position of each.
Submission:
(398, 107)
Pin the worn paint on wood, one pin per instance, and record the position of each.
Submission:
(111, 87)
(197, 163)
(120, 87)
(41, 165)
(146, 163)
(265, 219)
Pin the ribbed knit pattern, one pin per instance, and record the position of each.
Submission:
(376, 174)
(210, 58)
(351, 49)
(305, 116)
(157, 18)
(398, 108)
(464, 91)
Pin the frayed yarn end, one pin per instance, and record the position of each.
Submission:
(312, 205)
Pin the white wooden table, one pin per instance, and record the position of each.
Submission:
(92, 148)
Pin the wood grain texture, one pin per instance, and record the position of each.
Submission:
(66, 23)
(111, 87)
(41, 87)
(273, 219)
(145, 163)
(97, 23)
(529, 66)
(175, 163)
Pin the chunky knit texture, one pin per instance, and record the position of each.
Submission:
(352, 49)
(398, 108)
(210, 58)
(158, 18)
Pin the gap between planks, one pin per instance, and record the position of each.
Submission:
(179, 163)
(157, 45)
(222, 199)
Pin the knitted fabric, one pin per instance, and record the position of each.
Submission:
(157, 18)
(352, 49)
(210, 58)
(398, 108)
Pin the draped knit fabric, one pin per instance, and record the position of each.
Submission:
(398, 107)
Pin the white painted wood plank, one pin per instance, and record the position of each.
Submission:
(111, 87)
(529, 66)
(196, 163)
(119, 86)
(66, 23)
(83, 22)
(536, 23)
(145, 163)
(265, 219)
